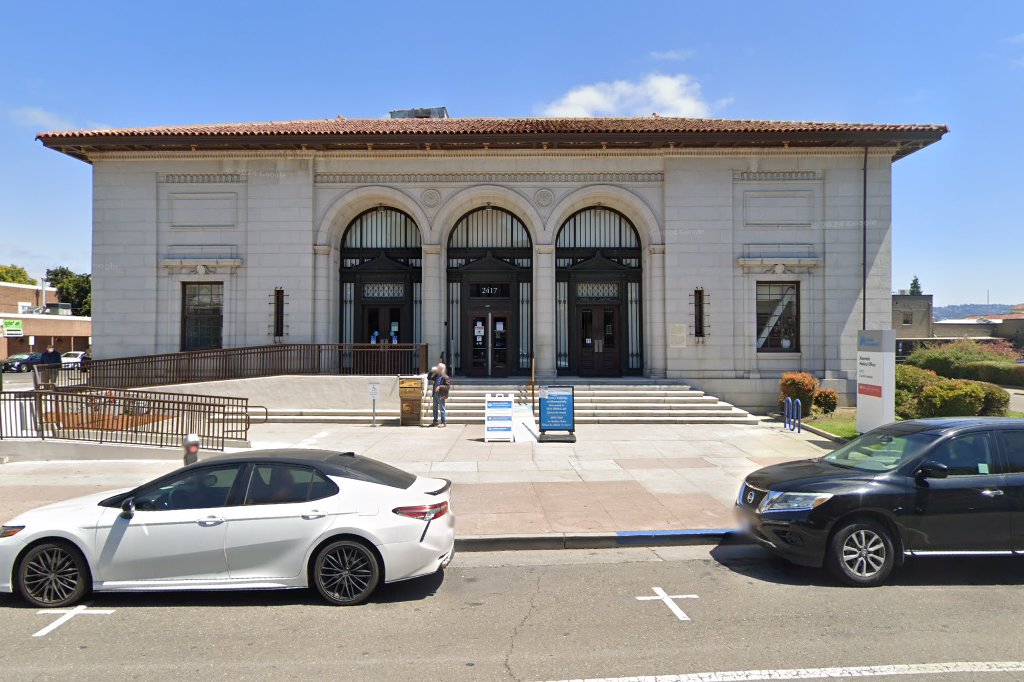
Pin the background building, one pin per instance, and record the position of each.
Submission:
(44, 320)
(721, 253)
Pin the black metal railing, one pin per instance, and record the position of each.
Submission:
(238, 363)
(127, 417)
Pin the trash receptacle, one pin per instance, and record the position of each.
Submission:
(410, 393)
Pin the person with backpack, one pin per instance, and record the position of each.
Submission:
(441, 385)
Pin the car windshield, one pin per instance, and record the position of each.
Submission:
(19, 356)
(881, 449)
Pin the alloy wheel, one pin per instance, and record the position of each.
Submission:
(864, 553)
(51, 575)
(346, 572)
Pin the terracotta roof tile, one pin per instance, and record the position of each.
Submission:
(496, 126)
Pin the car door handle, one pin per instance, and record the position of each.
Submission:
(210, 521)
(991, 493)
(314, 514)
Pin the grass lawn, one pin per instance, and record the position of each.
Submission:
(1018, 415)
(842, 423)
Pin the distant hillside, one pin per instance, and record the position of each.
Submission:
(962, 310)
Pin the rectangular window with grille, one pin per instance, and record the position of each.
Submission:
(778, 317)
(908, 317)
(202, 315)
(278, 312)
(698, 313)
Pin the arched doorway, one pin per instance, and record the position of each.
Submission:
(598, 301)
(490, 265)
(381, 278)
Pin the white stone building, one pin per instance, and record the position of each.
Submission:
(720, 253)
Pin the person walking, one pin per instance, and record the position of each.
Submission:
(441, 386)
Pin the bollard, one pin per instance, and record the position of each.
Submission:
(191, 448)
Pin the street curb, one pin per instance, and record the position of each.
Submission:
(548, 541)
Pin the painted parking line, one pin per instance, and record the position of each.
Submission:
(826, 673)
(669, 599)
(68, 614)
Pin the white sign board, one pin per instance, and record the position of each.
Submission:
(498, 418)
(876, 379)
(374, 391)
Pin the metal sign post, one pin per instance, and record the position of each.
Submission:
(374, 394)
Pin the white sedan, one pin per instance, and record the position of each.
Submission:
(335, 521)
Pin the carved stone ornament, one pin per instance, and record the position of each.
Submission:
(201, 269)
(544, 197)
(431, 198)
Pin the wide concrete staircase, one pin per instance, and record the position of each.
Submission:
(617, 401)
(605, 403)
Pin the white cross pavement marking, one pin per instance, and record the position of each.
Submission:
(827, 673)
(68, 615)
(667, 598)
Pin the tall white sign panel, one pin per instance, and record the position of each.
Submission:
(876, 378)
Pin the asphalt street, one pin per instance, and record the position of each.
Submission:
(551, 615)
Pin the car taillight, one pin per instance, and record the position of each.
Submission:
(424, 512)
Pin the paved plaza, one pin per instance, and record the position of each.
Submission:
(614, 478)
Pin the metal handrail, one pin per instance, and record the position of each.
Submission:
(119, 416)
(238, 363)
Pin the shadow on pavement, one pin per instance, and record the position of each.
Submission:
(757, 563)
(405, 591)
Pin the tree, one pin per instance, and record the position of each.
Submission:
(15, 274)
(915, 286)
(72, 288)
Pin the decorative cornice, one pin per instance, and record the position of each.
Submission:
(777, 176)
(886, 152)
(500, 178)
(203, 178)
(200, 265)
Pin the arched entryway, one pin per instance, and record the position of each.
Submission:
(598, 298)
(490, 263)
(381, 278)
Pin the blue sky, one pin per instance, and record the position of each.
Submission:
(957, 205)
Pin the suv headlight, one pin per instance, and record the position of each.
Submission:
(776, 501)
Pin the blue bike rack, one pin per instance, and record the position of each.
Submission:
(793, 417)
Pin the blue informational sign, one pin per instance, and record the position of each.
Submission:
(556, 409)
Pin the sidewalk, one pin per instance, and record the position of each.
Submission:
(615, 478)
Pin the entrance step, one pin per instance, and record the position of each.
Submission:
(615, 402)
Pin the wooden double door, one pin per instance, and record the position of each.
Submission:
(599, 342)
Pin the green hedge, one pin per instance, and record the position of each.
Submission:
(1004, 373)
(910, 381)
(952, 359)
(997, 401)
(954, 398)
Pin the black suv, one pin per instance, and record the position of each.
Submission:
(913, 488)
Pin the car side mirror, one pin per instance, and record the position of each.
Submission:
(932, 469)
(128, 508)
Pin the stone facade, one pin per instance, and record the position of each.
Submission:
(719, 220)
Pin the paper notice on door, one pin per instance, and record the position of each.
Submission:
(499, 326)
